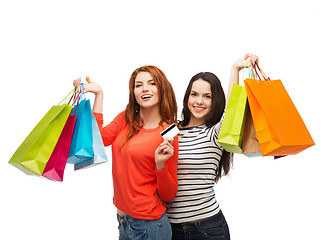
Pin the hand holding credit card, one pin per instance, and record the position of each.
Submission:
(170, 132)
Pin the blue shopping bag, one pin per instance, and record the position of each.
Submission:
(99, 151)
(81, 148)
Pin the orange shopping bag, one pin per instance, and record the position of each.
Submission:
(278, 125)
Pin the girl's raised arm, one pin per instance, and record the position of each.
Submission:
(94, 88)
(237, 66)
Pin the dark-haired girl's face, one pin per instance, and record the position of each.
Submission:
(199, 102)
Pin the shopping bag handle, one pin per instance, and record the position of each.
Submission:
(80, 94)
(262, 72)
(255, 70)
(70, 95)
(252, 70)
(256, 67)
(74, 96)
(251, 73)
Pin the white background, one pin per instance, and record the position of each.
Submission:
(44, 45)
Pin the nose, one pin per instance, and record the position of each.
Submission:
(145, 87)
(199, 100)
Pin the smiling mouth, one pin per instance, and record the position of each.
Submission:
(146, 97)
(199, 109)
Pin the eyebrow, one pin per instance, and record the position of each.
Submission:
(203, 93)
(137, 81)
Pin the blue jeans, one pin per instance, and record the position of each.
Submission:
(214, 227)
(131, 228)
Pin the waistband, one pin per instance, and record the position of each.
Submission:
(128, 218)
(193, 226)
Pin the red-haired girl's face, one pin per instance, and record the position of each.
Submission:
(145, 91)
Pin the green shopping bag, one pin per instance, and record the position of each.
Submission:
(231, 133)
(32, 155)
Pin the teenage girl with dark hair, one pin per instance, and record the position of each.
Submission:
(194, 213)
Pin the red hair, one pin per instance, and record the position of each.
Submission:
(168, 103)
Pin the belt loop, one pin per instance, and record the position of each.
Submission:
(197, 225)
(122, 219)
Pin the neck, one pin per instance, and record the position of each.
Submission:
(151, 117)
(195, 122)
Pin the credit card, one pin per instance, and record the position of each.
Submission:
(170, 132)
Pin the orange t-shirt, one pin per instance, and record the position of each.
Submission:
(135, 177)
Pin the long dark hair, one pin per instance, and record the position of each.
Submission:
(213, 117)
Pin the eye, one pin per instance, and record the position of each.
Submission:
(138, 85)
(152, 83)
(208, 96)
(193, 94)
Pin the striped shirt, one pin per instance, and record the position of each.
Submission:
(199, 156)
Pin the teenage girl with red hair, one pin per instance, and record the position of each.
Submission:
(144, 166)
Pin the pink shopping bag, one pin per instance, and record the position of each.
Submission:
(55, 166)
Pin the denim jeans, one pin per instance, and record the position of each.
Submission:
(210, 228)
(131, 228)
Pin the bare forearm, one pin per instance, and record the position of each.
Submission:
(98, 103)
(234, 78)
